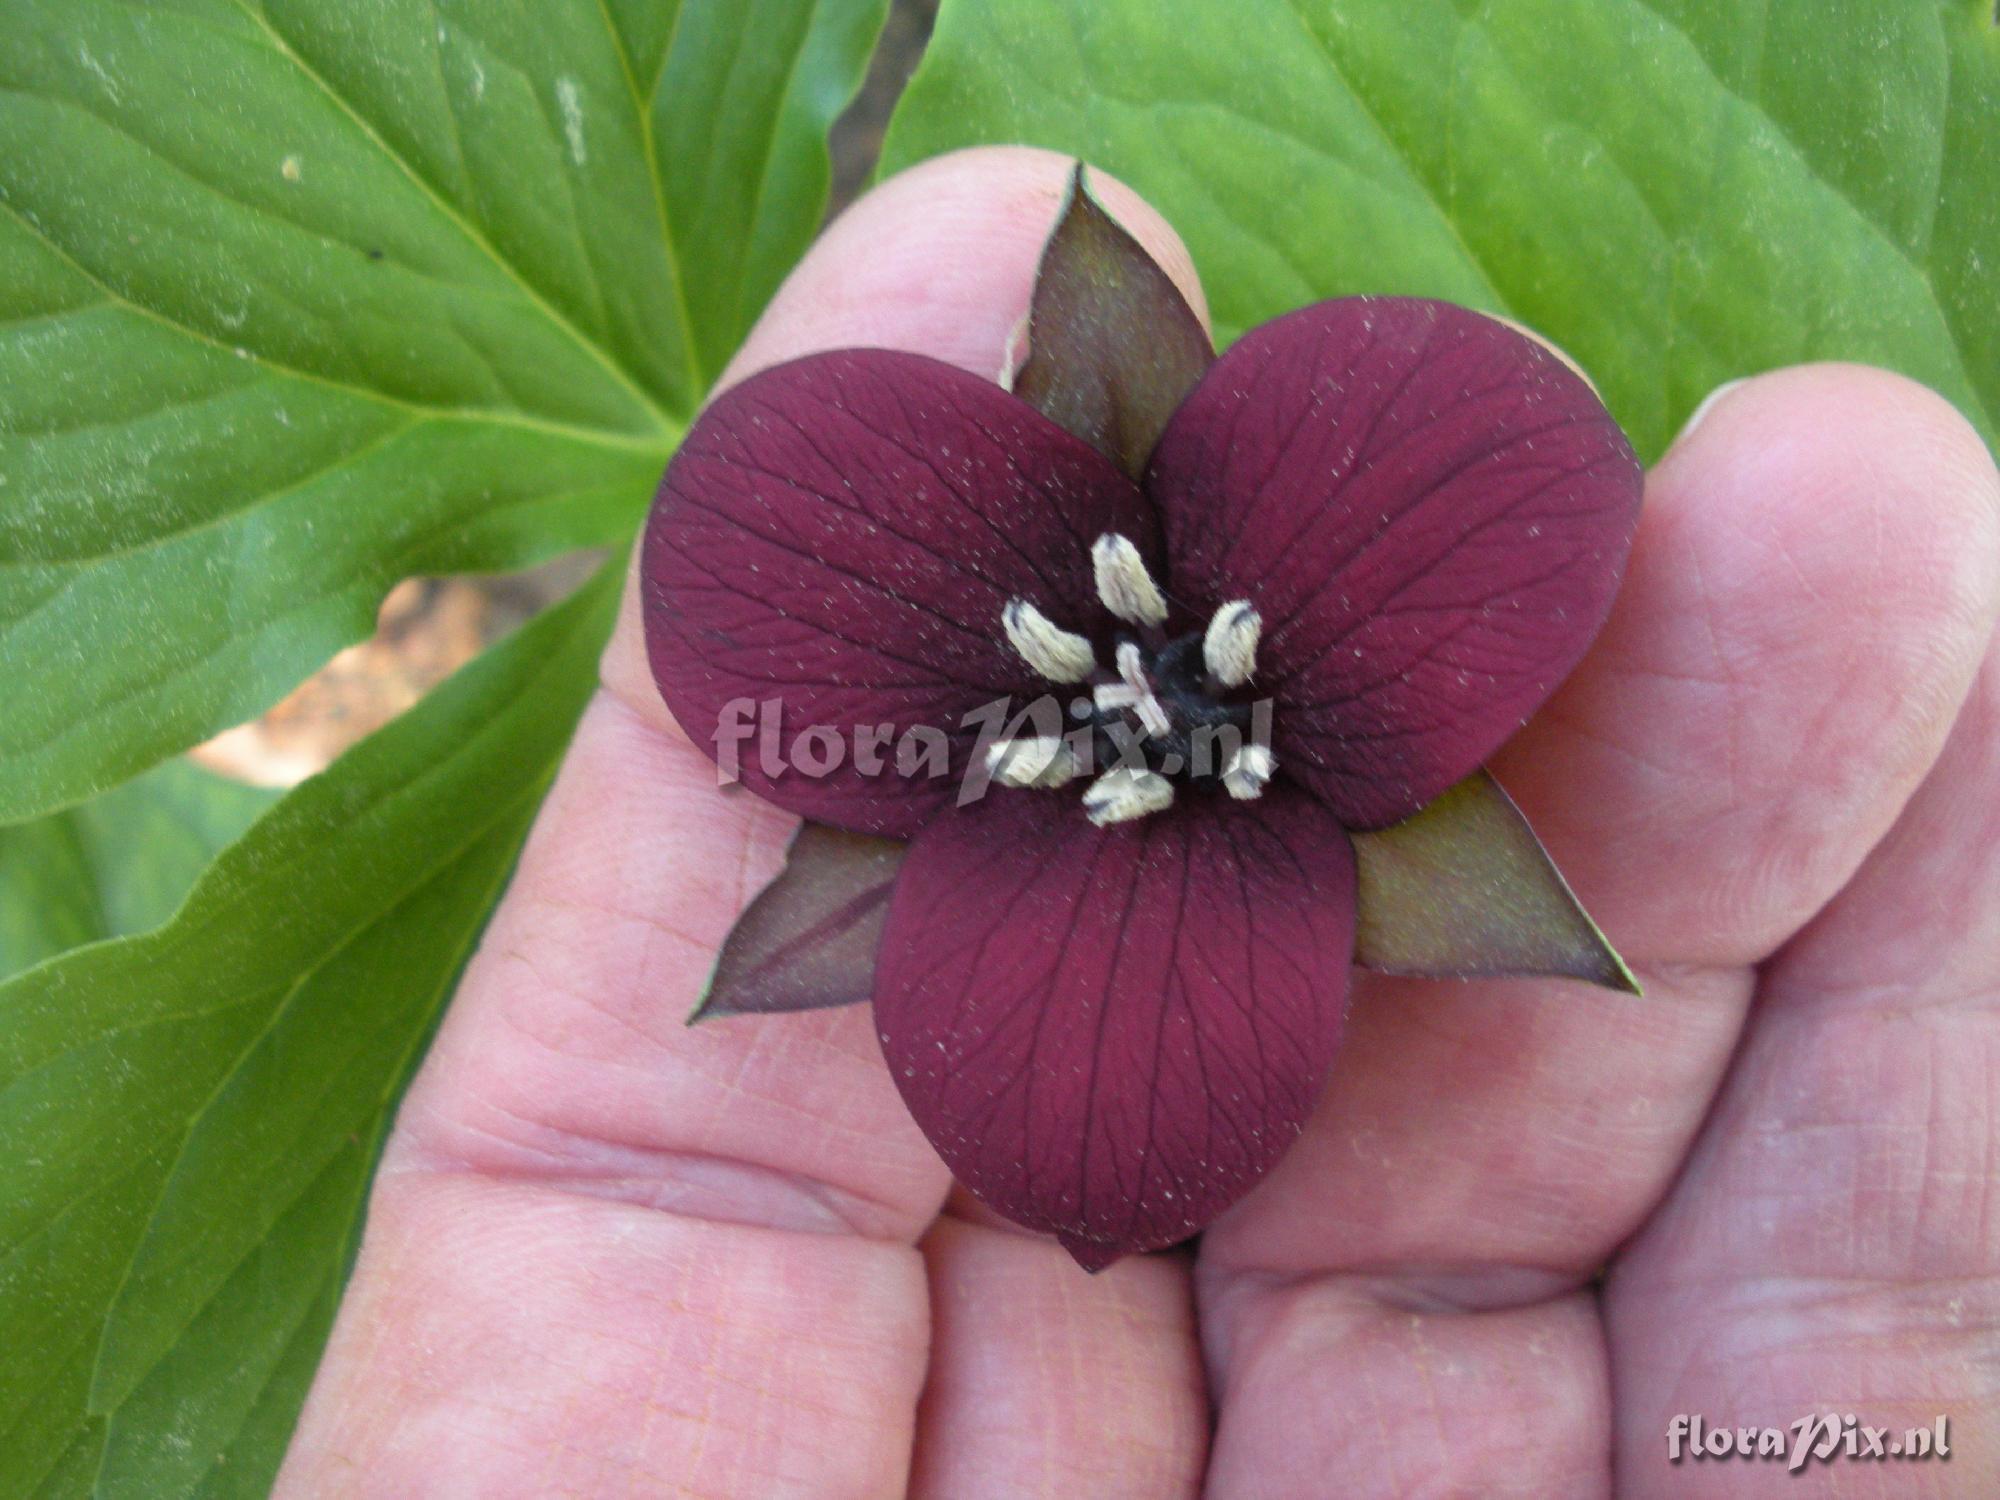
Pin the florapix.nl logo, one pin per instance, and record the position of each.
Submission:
(1043, 741)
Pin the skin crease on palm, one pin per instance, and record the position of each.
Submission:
(1530, 1222)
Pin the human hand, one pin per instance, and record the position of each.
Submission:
(609, 1254)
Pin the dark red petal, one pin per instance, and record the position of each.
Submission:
(1112, 1034)
(1430, 510)
(837, 537)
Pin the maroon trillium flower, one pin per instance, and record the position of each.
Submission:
(1111, 987)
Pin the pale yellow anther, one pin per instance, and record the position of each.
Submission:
(1035, 760)
(1123, 583)
(1120, 795)
(1229, 646)
(1249, 771)
(1052, 652)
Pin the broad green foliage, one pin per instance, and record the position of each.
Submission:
(1677, 191)
(119, 864)
(299, 297)
(302, 296)
(187, 1118)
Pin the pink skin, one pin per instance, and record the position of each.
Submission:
(611, 1255)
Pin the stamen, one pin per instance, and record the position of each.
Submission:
(1120, 795)
(1248, 771)
(1229, 649)
(1123, 583)
(1035, 760)
(1057, 654)
(1152, 718)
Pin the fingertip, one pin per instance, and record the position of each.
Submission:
(1706, 405)
(1838, 451)
(1815, 578)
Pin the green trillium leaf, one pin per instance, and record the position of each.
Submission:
(300, 297)
(1677, 192)
(1464, 889)
(808, 941)
(188, 1118)
(118, 864)
(1113, 346)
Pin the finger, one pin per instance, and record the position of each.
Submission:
(1806, 602)
(608, 1253)
(1401, 1394)
(1834, 1245)
(1049, 1382)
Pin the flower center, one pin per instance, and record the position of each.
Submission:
(1166, 710)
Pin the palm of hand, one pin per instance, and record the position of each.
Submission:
(610, 1255)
